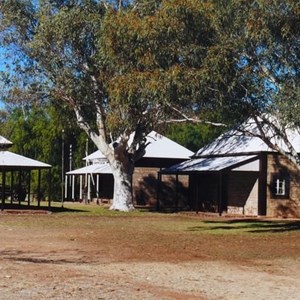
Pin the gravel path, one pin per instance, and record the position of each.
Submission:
(138, 280)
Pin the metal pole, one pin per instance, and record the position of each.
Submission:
(70, 158)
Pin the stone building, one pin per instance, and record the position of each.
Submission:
(239, 174)
(95, 181)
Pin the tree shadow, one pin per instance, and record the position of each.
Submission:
(173, 195)
(15, 208)
(249, 225)
(35, 258)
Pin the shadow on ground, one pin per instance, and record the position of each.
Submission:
(249, 225)
(24, 208)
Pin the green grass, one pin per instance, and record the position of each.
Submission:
(175, 222)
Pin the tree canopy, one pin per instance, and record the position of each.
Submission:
(130, 66)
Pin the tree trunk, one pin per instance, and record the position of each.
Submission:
(122, 199)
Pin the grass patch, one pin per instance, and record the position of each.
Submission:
(151, 236)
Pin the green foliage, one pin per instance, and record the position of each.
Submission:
(37, 133)
(131, 64)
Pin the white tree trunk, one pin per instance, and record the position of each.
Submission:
(122, 199)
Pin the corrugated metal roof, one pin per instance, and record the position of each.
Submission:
(209, 164)
(159, 147)
(92, 169)
(4, 141)
(244, 141)
(12, 160)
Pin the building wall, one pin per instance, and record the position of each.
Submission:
(283, 207)
(146, 188)
(242, 193)
(204, 192)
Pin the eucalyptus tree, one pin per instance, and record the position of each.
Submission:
(124, 67)
(264, 38)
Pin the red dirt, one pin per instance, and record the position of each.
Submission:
(88, 257)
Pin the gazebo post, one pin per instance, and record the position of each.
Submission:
(11, 187)
(39, 188)
(20, 186)
(3, 190)
(29, 186)
(50, 188)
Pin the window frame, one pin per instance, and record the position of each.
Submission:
(276, 181)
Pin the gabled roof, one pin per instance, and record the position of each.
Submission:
(240, 141)
(159, 147)
(4, 143)
(9, 160)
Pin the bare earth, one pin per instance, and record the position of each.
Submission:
(50, 257)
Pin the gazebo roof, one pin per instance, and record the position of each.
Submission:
(4, 143)
(9, 160)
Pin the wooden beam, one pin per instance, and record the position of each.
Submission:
(39, 188)
(3, 190)
(262, 184)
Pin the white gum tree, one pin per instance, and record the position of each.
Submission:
(126, 67)
(122, 67)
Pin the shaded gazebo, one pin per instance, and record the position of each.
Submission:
(16, 176)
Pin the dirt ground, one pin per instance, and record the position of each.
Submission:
(69, 257)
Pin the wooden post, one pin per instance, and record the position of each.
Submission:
(66, 187)
(29, 186)
(89, 189)
(220, 193)
(39, 188)
(158, 191)
(3, 190)
(11, 187)
(49, 188)
(176, 193)
(97, 187)
(73, 187)
(262, 185)
(20, 187)
(80, 188)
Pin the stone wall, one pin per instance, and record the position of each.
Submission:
(242, 193)
(146, 188)
(283, 207)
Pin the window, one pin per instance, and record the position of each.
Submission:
(280, 185)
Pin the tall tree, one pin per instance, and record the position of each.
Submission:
(123, 67)
(264, 38)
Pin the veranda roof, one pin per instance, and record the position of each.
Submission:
(212, 164)
(92, 169)
(9, 160)
(159, 147)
